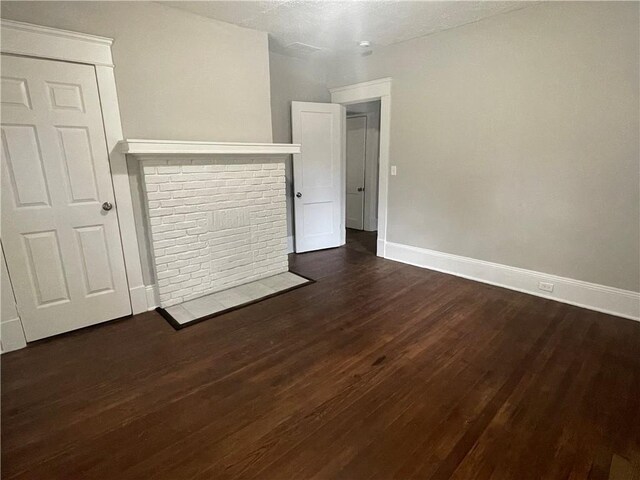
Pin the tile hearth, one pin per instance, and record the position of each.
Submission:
(215, 303)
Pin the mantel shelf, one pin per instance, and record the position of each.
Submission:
(175, 147)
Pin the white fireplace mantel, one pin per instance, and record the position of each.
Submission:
(176, 147)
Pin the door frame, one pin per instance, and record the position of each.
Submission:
(37, 41)
(379, 89)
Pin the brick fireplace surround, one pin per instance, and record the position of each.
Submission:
(216, 220)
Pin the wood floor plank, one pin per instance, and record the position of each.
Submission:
(378, 370)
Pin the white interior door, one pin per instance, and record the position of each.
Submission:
(318, 175)
(62, 247)
(356, 157)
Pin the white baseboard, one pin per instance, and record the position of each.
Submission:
(290, 248)
(12, 335)
(138, 299)
(614, 301)
(152, 297)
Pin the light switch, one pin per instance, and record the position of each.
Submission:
(393, 170)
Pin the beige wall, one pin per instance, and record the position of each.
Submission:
(516, 139)
(179, 76)
(293, 79)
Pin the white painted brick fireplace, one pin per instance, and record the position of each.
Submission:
(215, 225)
(216, 221)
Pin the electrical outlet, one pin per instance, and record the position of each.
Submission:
(545, 286)
(394, 172)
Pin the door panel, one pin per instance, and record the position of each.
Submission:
(65, 96)
(317, 128)
(24, 166)
(78, 162)
(96, 267)
(318, 175)
(49, 282)
(63, 251)
(356, 158)
(318, 218)
(14, 92)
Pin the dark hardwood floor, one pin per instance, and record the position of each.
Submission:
(379, 370)
(362, 241)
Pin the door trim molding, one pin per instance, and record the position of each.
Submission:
(151, 292)
(45, 42)
(379, 89)
(54, 44)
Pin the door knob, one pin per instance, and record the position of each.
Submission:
(298, 194)
(106, 206)
(361, 189)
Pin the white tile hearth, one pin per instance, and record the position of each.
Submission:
(214, 303)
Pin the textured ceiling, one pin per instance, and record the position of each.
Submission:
(337, 27)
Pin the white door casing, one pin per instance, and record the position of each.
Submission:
(63, 250)
(355, 159)
(379, 89)
(318, 175)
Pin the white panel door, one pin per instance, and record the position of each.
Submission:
(318, 175)
(62, 247)
(356, 157)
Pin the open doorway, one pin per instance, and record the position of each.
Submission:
(362, 164)
(320, 169)
(378, 91)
